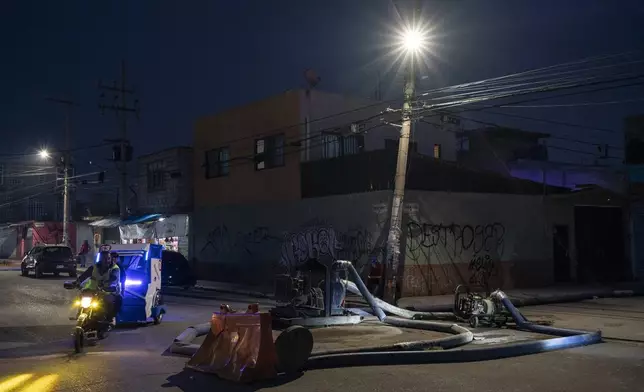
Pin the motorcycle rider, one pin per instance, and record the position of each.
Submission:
(105, 273)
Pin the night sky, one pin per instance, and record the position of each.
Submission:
(193, 58)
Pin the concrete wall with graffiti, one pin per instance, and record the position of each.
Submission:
(483, 240)
(252, 243)
(448, 239)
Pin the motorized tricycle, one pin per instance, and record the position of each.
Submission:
(141, 298)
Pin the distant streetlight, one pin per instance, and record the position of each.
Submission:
(44, 154)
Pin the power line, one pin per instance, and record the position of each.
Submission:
(549, 137)
(478, 84)
(537, 90)
(84, 148)
(123, 109)
(547, 146)
(299, 150)
(552, 89)
(316, 134)
(554, 122)
(580, 104)
(44, 184)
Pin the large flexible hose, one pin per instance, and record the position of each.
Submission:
(413, 354)
(396, 311)
(460, 336)
(182, 344)
(568, 338)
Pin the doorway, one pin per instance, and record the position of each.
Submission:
(599, 239)
(561, 253)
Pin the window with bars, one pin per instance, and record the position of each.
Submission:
(35, 209)
(156, 176)
(217, 162)
(463, 143)
(335, 145)
(269, 152)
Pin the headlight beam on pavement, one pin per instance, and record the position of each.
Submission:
(43, 384)
(14, 382)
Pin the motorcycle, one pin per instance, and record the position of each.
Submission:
(92, 323)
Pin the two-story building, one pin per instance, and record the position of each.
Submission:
(254, 153)
(164, 182)
(285, 181)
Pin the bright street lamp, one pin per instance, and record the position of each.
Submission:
(413, 40)
(44, 154)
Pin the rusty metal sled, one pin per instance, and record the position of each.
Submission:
(239, 346)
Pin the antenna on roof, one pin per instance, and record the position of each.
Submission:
(312, 78)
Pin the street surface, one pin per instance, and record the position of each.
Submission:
(35, 352)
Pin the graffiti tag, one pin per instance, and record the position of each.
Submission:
(481, 268)
(323, 243)
(221, 240)
(456, 238)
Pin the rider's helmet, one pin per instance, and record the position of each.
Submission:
(114, 256)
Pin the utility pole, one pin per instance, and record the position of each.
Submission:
(66, 164)
(120, 106)
(393, 239)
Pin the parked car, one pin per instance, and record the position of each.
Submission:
(176, 271)
(49, 259)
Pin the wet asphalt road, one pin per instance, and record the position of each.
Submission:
(35, 355)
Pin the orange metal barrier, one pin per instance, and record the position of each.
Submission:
(239, 346)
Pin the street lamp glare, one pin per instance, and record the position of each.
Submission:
(44, 154)
(413, 40)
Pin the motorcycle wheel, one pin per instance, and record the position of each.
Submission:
(157, 320)
(102, 334)
(79, 340)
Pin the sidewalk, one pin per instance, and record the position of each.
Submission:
(529, 297)
(10, 265)
(14, 265)
(206, 289)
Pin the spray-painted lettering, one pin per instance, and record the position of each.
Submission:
(322, 243)
(455, 238)
(221, 240)
(481, 269)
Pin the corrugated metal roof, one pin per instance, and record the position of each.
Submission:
(133, 220)
(141, 219)
(106, 222)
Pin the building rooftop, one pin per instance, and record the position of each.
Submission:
(506, 133)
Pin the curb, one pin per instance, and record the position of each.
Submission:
(207, 293)
(9, 268)
(533, 301)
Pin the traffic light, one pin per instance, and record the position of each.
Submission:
(116, 153)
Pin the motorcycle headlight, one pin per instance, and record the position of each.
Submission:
(86, 302)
